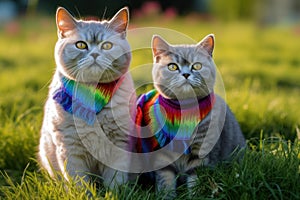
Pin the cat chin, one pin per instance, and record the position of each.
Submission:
(96, 73)
(180, 94)
(188, 95)
(97, 79)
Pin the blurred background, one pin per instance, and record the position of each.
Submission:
(257, 55)
(264, 12)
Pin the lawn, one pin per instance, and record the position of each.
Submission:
(259, 67)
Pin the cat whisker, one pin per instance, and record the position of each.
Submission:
(111, 75)
(82, 115)
(114, 70)
(177, 83)
(74, 72)
(110, 66)
(84, 62)
(107, 61)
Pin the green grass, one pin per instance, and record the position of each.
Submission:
(260, 69)
(263, 174)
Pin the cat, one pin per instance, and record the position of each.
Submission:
(91, 101)
(182, 121)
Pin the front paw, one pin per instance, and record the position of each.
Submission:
(166, 183)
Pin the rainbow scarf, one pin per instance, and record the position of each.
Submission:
(84, 101)
(169, 123)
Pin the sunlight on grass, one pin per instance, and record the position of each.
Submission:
(268, 173)
(260, 69)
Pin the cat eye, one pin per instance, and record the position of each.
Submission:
(197, 66)
(81, 45)
(107, 45)
(172, 67)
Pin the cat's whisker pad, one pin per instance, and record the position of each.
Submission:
(203, 130)
(92, 59)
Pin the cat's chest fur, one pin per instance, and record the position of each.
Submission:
(112, 123)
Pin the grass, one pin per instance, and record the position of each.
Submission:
(260, 69)
(263, 174)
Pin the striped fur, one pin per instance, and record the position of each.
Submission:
(217, 136)
(70, 143)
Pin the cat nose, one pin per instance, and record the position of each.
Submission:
(94, 55)
(186, 75)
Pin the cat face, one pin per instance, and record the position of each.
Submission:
(92, 51)
(183, 71)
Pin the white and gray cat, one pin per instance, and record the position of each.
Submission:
(182, 121)
(89, 108)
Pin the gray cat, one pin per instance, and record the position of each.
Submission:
(89, 109)
(182, 121)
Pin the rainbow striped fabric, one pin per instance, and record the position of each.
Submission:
(84, 101)
(168, 123)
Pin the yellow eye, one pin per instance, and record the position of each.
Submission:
(172, 67)
(107, 45)
(81, 45)
(197, 66)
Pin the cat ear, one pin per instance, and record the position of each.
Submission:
(64, 21)
(119, 22)
(159, 45)
(208, 43)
